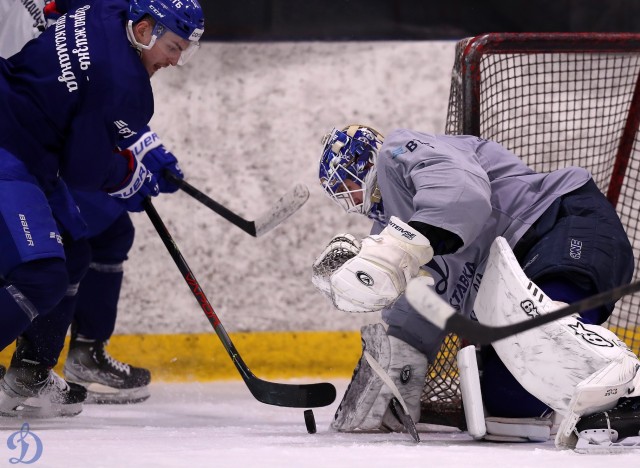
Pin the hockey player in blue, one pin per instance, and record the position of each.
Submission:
(90, 99)
(110, 235)
(438, 202)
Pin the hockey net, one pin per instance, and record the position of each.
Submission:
(556, 100)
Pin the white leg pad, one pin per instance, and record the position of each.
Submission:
(365, 405)
(551, 360)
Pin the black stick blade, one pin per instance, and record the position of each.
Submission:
(292, 395)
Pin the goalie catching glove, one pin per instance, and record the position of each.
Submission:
(379, 270)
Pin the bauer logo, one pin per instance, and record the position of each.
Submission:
(26, 230)
(26, 446)
(364, 278)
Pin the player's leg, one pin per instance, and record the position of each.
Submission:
(34, 280)
(365, 405)
(88, 362)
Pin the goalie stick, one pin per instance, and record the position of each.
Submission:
(288, 204)
(271, 393)
(433, 308)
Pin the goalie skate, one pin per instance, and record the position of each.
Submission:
(615, 430)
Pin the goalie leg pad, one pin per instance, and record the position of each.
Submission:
(365, 405)
(551, 360)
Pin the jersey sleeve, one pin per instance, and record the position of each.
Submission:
(91, 161)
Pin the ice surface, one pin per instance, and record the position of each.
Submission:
(219, 424)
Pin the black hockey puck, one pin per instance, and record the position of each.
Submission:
(310, 421)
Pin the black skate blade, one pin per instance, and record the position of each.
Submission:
(404, 418)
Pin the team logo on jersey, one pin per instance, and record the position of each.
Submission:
(364, 278)
(123, 129)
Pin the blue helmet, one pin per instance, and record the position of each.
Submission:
(348, 167)
(183, 17)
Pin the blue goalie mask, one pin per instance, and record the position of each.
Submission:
(348, 167)
(182, 17)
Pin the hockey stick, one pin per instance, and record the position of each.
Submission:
(288, 204)
(271, 393)
(433, 308)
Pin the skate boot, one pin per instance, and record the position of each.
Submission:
(617, 428)
(107, 380)
(3, 371)
(31, 390)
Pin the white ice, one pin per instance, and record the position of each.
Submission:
(219, 424)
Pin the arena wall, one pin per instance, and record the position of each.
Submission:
(245, 121)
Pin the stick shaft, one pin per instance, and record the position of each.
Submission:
(272, 393)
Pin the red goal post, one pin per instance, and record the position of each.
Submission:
(556, 100)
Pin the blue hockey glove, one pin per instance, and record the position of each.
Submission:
(139, 184)
(153, 154)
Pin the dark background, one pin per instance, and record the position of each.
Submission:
(265, 20)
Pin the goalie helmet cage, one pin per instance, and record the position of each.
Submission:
(556, 100)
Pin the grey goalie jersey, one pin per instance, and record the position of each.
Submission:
(469, 186)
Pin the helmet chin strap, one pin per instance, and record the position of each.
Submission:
(134, 42)
(372, 192)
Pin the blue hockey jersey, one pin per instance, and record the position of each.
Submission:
(72, 95)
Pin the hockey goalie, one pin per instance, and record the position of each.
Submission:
(438, 203)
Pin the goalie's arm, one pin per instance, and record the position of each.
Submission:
(442, 241)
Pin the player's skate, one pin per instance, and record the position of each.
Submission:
(365, 405)
(3, 371)
(614, 430)
(31, 390)
(107, 380)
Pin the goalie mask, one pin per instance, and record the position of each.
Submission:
(348, 167)
(182, 17)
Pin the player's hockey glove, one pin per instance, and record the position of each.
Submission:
(139, 184)
(374, 278)
(150, 150)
